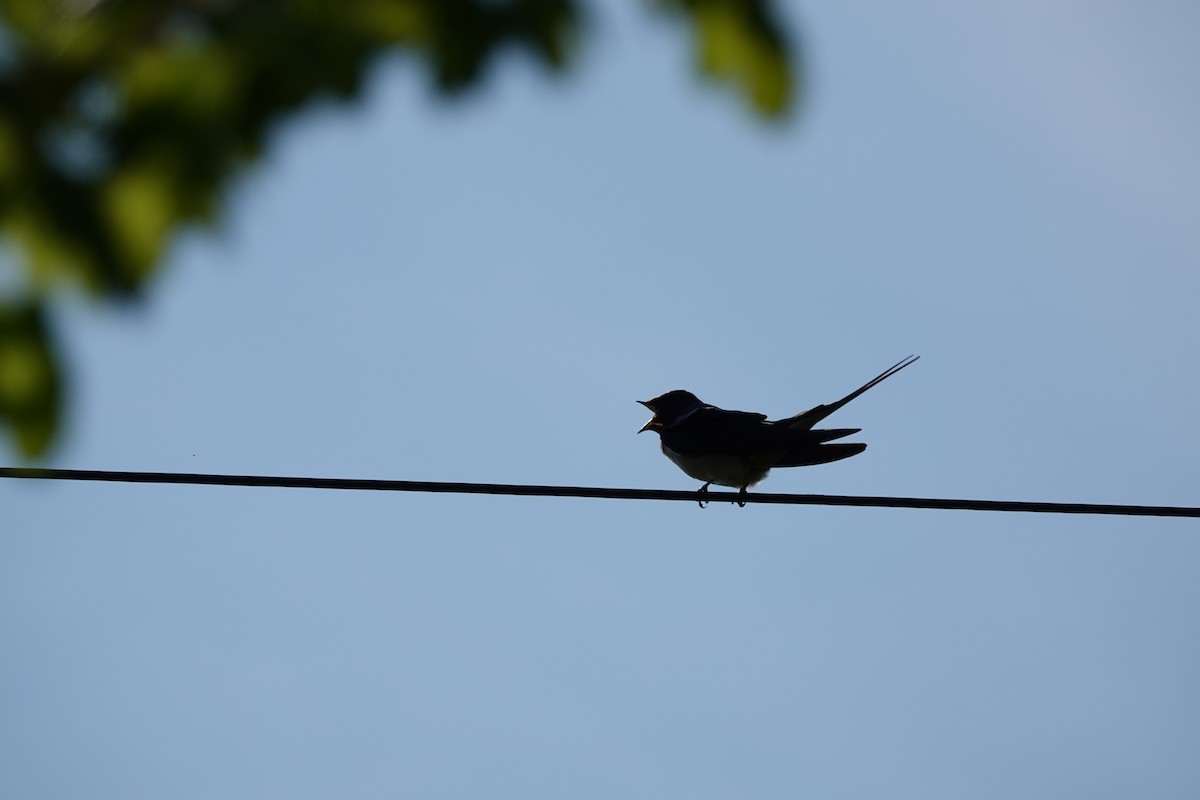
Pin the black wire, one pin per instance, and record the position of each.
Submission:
(591, 491)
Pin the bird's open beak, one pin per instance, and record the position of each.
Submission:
(653, 420)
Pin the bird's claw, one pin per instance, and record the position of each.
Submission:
(703, 496)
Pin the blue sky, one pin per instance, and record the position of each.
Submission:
(480, 291)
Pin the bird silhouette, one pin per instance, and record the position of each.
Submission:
(739, 448)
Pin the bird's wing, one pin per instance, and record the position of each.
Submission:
(805, 420)
(714, 431)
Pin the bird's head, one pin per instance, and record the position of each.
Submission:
(670, 408)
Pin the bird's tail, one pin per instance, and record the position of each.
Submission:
(811, 456)
(823, 435)
(814, 415)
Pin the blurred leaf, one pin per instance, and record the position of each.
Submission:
(140, 205)
(30, 383)
(122, 121)
(739, 42)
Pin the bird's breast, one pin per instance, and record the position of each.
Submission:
(726, 470)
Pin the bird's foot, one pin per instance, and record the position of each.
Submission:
(704, 495)
(742, 498)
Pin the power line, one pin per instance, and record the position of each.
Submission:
(527, 490)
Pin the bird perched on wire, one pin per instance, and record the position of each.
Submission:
(739, 448)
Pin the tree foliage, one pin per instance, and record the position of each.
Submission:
(123, 121)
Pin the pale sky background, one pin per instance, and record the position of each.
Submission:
(479, 291)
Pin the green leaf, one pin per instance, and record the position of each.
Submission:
(737, 41)
(30, 382)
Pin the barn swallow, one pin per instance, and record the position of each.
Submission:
(739, 448)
